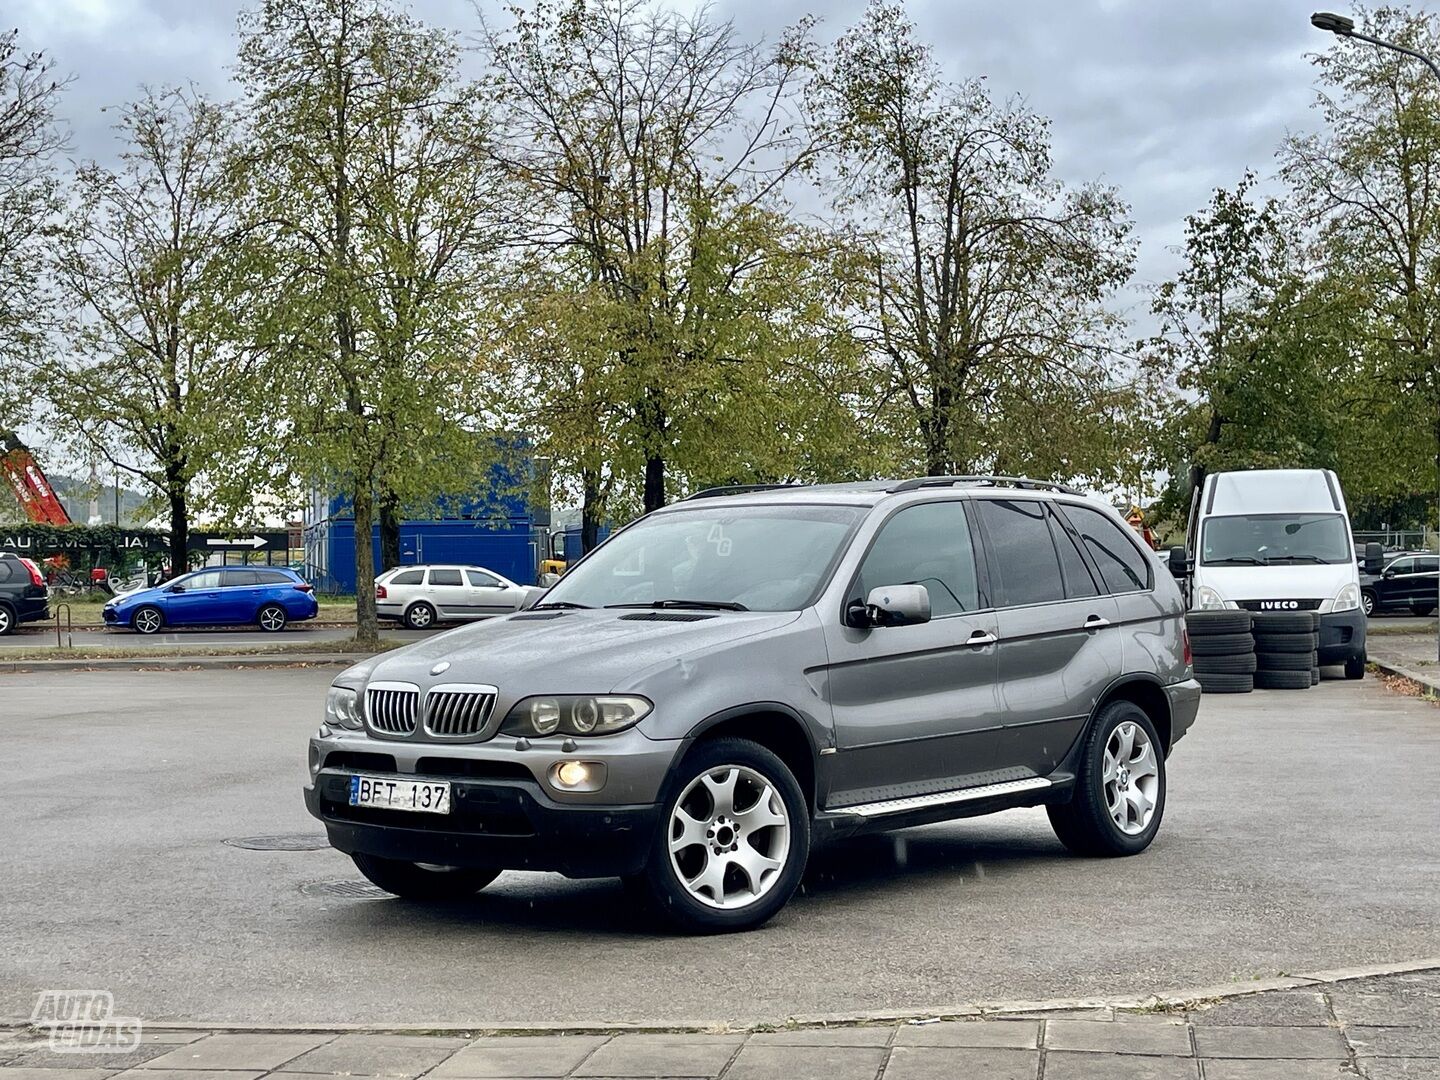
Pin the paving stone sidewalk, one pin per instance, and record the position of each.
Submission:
(1375, 1028)
(1410, 655)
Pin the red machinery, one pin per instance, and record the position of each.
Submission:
(29, 482)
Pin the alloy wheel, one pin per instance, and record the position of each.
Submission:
(419, 617)
(1367, 603)
(4, 620)
(147, 621)
(1131, 778)
(272, 619)
(729, 837)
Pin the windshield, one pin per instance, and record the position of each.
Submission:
(759, 558)
(1275, 539)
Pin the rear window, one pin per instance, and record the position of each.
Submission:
(1120, 562)
(8, 568)
(444, 577)
(408, 577)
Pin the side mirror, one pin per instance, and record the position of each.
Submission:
(176, 589)
(892, 605)
(1179, 562)
(532, 596)
(1374, 558)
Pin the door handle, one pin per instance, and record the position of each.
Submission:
(1095, 622)
(981, 637)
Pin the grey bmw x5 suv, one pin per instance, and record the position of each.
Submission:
(737, 678)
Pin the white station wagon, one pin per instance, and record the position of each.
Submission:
(421, 596)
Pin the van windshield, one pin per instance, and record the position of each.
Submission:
(755, 558)
(1275, 539)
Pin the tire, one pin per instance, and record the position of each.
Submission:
(1315, 676)
(8, 622)
(1225, 684)
(1422, 609)
(1222, 645)
(272, 618)
(1367, 602)
(1234, 664)
(147, 619)
(1283, 680)
(420, 616)
(1284, 622)
(418, 881)
(1289, 643)
(757, 779)
(1210, 623)
(1355, 667)
(1285, 661)
(1084, 824)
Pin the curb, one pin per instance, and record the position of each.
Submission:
(1429, 681)
(1182, 999)
(173, 663)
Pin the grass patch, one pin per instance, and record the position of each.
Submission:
(1397, 631)
(103, 652)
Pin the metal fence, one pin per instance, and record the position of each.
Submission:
(1397, 539)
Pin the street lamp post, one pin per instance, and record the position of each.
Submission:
(1340, 26)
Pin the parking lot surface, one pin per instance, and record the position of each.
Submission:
(1299, 835)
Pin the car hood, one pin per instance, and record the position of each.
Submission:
(152, 593)
(560, 652)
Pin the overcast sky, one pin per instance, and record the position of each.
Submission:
(1165, 99)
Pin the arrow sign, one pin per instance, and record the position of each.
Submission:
(254, 542)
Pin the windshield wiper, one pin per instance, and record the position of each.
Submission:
(1297, 558)
(1248, 560)
(716, 605)
(560, 604)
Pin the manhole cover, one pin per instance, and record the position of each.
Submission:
(349, 890)
(288, 842)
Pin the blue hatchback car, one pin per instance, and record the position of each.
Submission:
(266, 596)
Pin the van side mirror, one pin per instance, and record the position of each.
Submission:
(1179, 562)
(1374, 558)
(891, 605)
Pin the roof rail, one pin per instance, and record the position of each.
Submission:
(982, 480)
(737, 489)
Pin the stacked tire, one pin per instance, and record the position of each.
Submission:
(1287, 647)
(1223, 651)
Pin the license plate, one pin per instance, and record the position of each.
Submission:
(386, 793)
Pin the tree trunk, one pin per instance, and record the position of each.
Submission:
(591, 511)
(389, 532)
(179, 520)
(654, 482)
(367, 627)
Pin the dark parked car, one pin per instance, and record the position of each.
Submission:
(1408, 582)
(268, 596)
(23, 596)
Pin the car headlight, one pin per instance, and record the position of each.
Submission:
(575, 714)
(1347, 599)
(1207, 599)
(342, 708)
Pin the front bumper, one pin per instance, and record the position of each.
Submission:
(1184, 700)
(509, 825)
(1342, 636)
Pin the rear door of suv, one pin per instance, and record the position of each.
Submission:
(1127, 573)
(1059, 644)
(915, 707)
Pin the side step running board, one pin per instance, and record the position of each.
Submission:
(943, 798)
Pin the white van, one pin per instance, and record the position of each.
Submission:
(1280, 540)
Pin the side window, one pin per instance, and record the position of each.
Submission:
(408, 577)
(926, 545)
(1022, 552)
(7, 569)
(236, 578)
(444, 577)
(210, 579)
(1403, 566)
(482, 580)
(1428, 566)
(271, 577)
(1078, 580)
(1121, 564)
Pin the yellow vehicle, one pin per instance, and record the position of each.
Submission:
(553, 565)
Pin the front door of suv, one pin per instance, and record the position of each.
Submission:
(1060, 645)
(915, 707)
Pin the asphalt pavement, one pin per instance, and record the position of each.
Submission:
(1299, 835)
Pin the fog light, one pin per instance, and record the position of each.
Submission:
(577, 776)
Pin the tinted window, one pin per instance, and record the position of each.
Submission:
(444, 577)
(1121, 564)
(1403, 566)
(210, 579)
(408, 577)
(1427, 566)
(237, 578)
(1022, 553)
(1078, 581)
(481, 580)
(7, 569)
(926, 545)
(273, 577)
